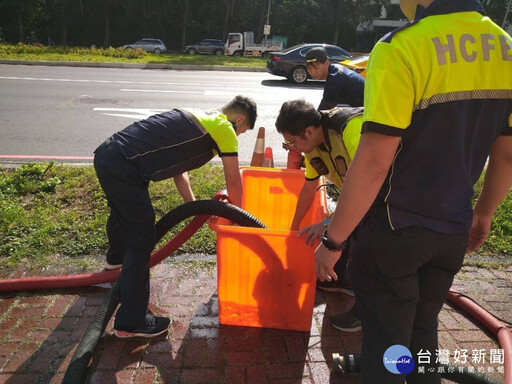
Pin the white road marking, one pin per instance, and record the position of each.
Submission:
(160, 91)
(129, 113)
(110, 81)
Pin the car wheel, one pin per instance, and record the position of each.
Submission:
(237, 53)
(299, 74)
(158, 51)
(219, 52)
(129, 48)
(191, 51)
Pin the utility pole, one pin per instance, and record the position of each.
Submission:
(268, 12)
(266, 28)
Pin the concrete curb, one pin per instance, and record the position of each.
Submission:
(134, 65)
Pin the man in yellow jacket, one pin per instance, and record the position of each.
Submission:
(329, 140)
(434, 113)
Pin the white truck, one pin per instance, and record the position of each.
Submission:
(242, 44)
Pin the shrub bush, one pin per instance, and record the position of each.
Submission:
(20, 48)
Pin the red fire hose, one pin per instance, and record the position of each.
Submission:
(32, 283)
(491, 323)
(177, 241)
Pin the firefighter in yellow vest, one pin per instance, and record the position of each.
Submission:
(437, 107)
(329, 140)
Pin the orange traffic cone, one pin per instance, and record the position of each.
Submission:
(268, 160)
(294, 159)
(257, 155)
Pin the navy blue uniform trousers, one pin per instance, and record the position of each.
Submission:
(130, 229)
(401, 278)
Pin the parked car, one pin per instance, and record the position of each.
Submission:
(358, 64)
(291, 63)
(206, 46)
(149, 45)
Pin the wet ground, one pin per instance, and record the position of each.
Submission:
(39, 332)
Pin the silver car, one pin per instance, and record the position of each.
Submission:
(149, 45)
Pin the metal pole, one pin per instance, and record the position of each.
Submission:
(506, 13)
(268, 16)
(268, 12)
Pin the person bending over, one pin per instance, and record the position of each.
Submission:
(163, 146)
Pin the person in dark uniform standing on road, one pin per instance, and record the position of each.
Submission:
(434, 112)
(163, 146)
(342, 85)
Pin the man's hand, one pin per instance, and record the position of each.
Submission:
(478, 233)
(312, 233)
(324, 263)
(233, 179)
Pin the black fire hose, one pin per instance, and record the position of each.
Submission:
(77, 368)
(351, 364)
(206, 207)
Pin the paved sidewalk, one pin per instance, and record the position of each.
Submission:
(39, 332)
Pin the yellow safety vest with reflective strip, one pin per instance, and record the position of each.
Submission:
(443, 83)
(219, 128)
(342, 131)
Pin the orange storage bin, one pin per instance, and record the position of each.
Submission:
(266, 277)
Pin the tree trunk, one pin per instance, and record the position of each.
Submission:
(336, 32)
(184, 31)
(229, 11)
(106, 40)
(64, 28)
(338, 23)
(144, 18)
(20, 25)
(507, 10)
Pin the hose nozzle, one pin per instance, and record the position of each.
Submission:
(346, 364)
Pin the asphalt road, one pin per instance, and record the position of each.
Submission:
(64, 113)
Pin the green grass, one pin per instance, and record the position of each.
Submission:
(120, 55)
(55, 214)
(52, 218)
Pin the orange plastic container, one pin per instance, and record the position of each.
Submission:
(266, 277)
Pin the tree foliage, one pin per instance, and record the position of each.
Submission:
(178, 22)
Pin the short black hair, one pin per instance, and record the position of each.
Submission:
(296, 115)
(244, 106)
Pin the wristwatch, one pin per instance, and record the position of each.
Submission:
(331, 245)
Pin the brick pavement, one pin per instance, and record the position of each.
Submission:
(39, 332)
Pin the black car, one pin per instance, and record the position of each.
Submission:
(291, 63)
(206, 46)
